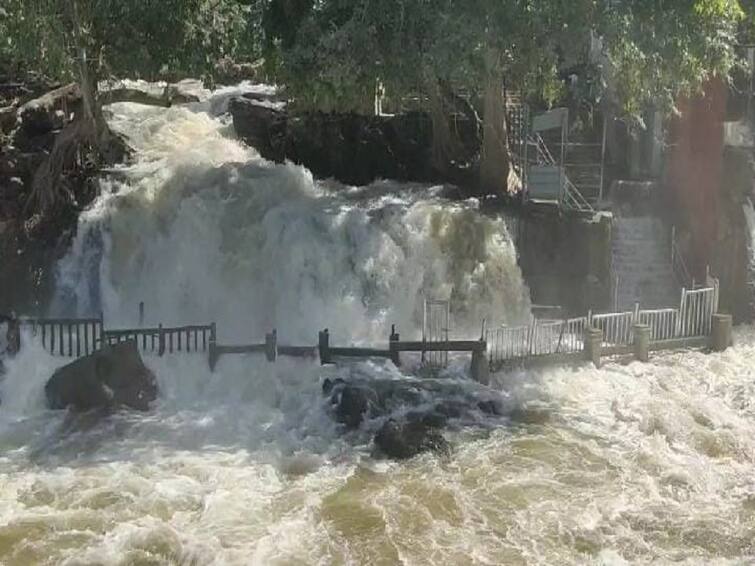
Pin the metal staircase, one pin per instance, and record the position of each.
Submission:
(548, 180)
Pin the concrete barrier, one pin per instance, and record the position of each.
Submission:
(642, 342)
(721, 336)
(593, 345)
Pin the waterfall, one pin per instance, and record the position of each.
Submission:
(200, 229)
(638, 463)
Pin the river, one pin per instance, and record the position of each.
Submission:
(633, 463)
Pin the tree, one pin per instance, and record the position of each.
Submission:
(93, 40)
(656, 50)
(652, 51)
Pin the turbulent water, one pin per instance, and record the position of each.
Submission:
(637, 463)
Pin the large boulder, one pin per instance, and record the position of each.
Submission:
(406, 440)
(112, 377)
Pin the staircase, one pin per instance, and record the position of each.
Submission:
(642, 264)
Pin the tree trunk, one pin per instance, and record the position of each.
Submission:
(495, 162)
(87, 74)
(443, 148)
(86, 138)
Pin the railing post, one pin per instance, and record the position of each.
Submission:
(102, 331)
(642, 342)
(393, 346)
(480, 369)
(271, 346)
(160, 340)
(14, 335)
(593, 345)
(213, 347)
(721, 333)
(323, 345)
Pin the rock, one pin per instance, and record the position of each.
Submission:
(260, 125)
(328, 385)
(352, 403)
(49, 111)
(7, 119)
(490, 407)
(112, 377)
(353, 148)
(402, 441)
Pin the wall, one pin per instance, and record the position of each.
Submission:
(566, 259)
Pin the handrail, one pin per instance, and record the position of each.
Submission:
(679, 265)
(572, 197)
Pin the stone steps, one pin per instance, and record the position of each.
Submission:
(641, 259)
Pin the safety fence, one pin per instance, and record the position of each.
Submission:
(66, 336)
(693, 319)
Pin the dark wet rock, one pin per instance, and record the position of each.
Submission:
(353, 148)
(414, 412)
(328, 385)
(112, 377)
(491, 407)
(406, 440)
(352, 404)
(7, 119)
(50, 111)
(33, 237)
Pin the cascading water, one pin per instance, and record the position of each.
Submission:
(638, 463)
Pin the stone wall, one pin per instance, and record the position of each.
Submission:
(353, 148)
(566, 259)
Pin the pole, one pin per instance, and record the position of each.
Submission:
(141, 314)
(323, 345)
(603, 157)
(393, 346)
(271, 346)
(14, 335)
(213, 349)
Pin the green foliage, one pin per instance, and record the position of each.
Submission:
(656, 50)
(130, 38)
(330, 53)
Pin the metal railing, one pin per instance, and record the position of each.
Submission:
(693, 319)
(696, 311)
(571, 197)
(66, 336)
(538, 339)
(678, 264)
(663, 323)
(617, 327)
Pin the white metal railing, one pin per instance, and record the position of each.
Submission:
(663, 323)
(696, 312)
(678, 264)
(541, 338)
(617, 327)
(508, 343)
(693, 319)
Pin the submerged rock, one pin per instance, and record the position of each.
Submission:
(414, 411)
(406, 440)
(112, 377)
